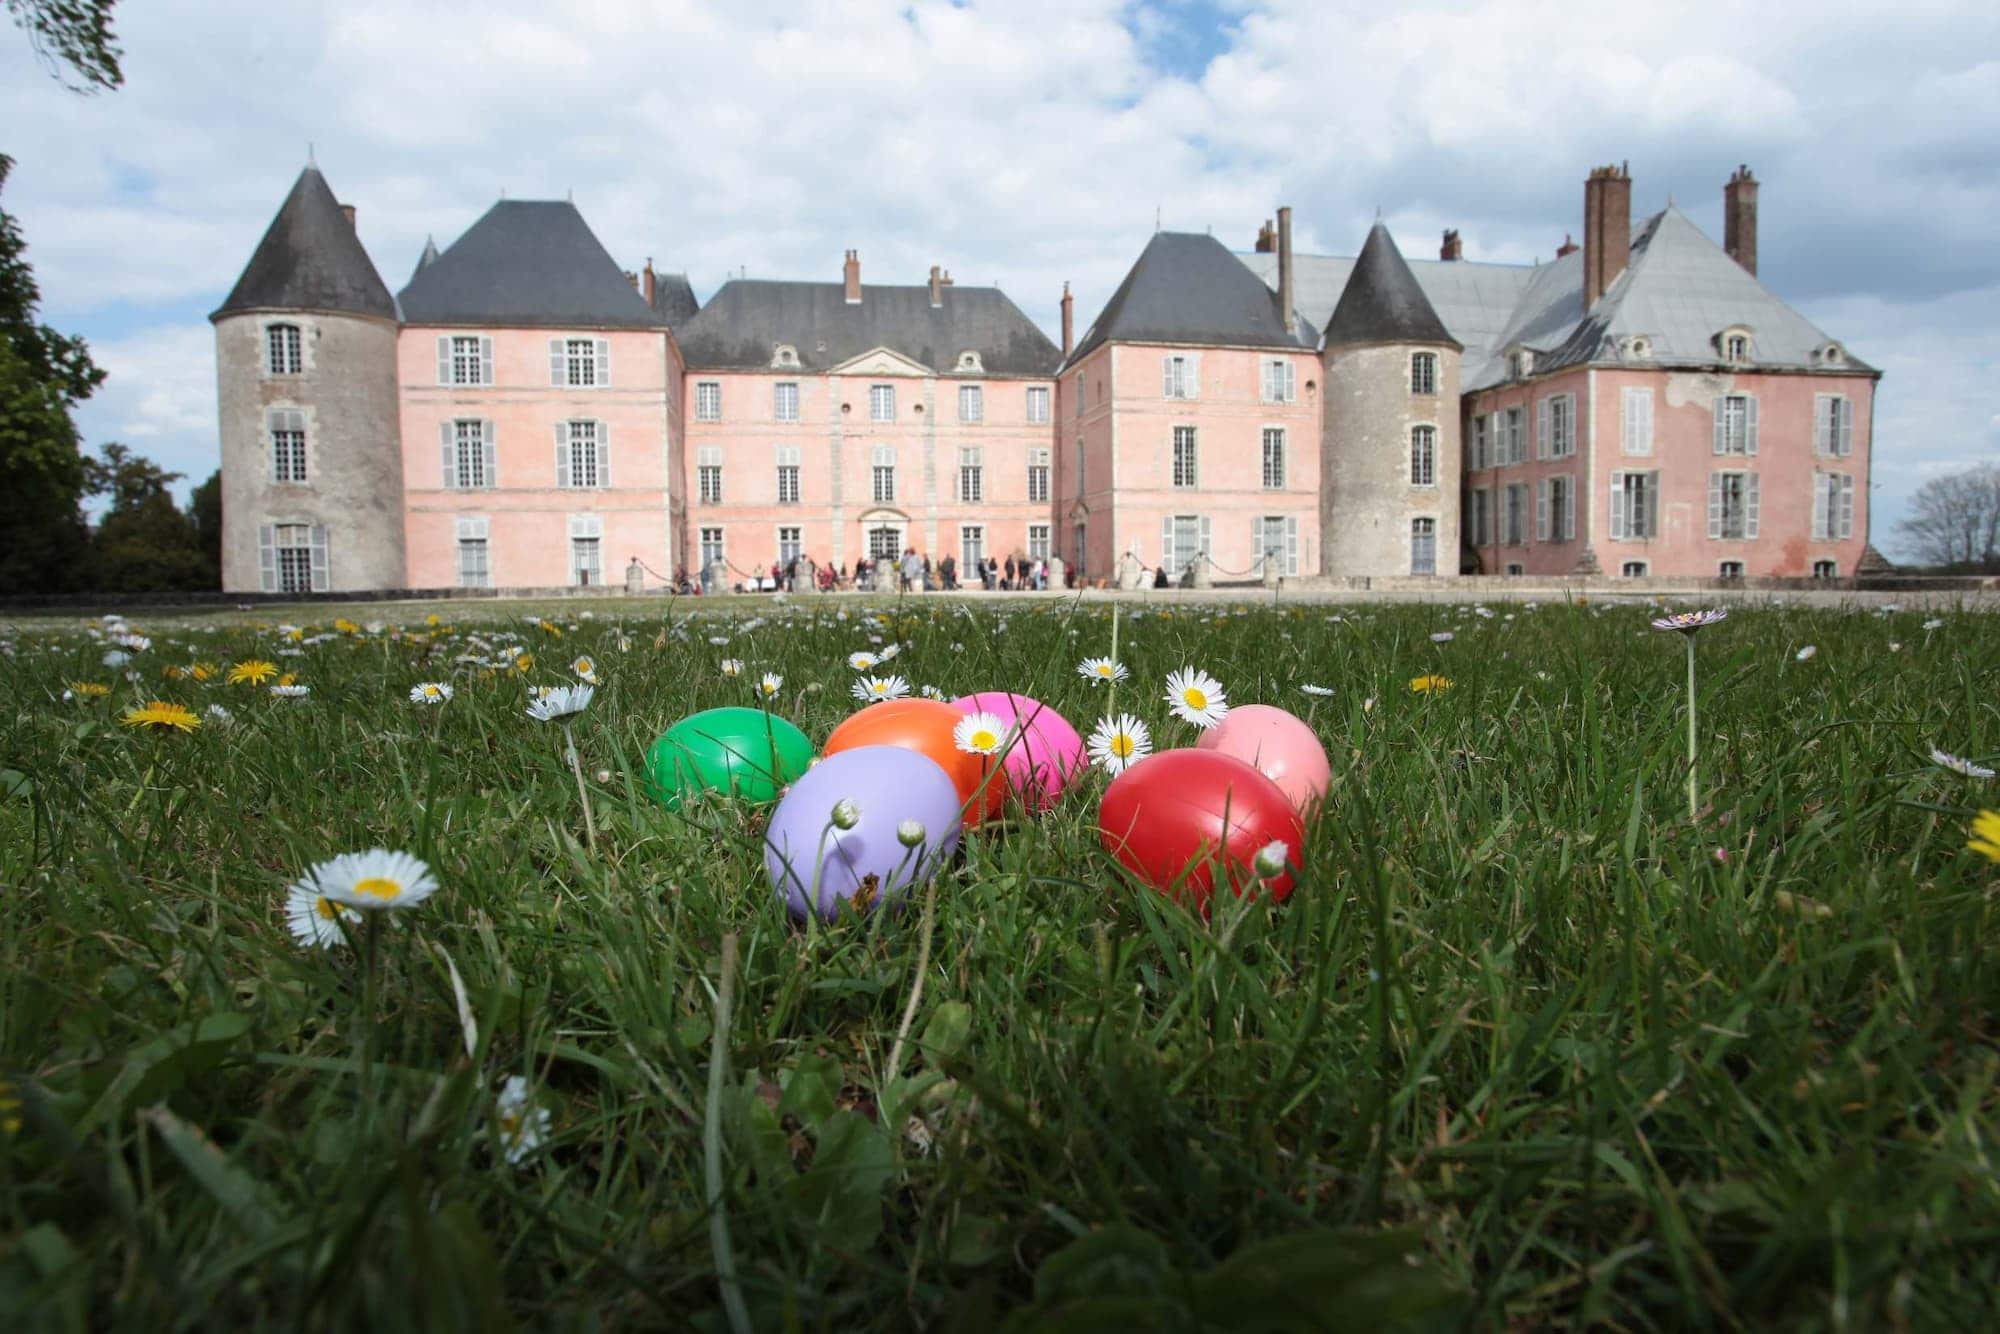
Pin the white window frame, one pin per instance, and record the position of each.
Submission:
(1513, 441)
(1423, 456)
(1280, 380)
(1039, 537)
(580, 362)
(1636, 422)
(884, 469)
(1279, 532)
(583, 454)
(881, 402)
(710, 545)
(1724, 570)
(586, 529)
(289, 459)
(1275, 460)
(708, 400)
(1423, 374)
(1626, 483)
(1555, 508)
(473, 531)
(1185, 461)
(284, 348)
(971, 475)
(1826, 568)
(1423, 544)
(1038, 476)
(1718, 508)
(1180, 376)
(708, 475)
(465, 361)
(785, 401)
(1833, 426)
(1038, 404)
(971, 549)
(1737, 438)
(283, 570)
(971, 404)
(788, 457)
(1832, 506)
(470, 454)
(790, 548)
(1513, 514)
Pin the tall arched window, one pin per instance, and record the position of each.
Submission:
(1423, 373)
(284, 351)
(1423, 455)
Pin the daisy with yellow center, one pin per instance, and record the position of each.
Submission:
(314, 919)
(980, 734)
(374, 881)
(1118, 743)
(430, 692)
(159, 714)
(89, 689)
(1986, 835)
(1196, 697)
(585, 670)
(1426, 685)
(1101, 670)
(870, 689)
(523, 1126)
(252, 672)
(770, 685)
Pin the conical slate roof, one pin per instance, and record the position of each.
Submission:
(1186, 287)
(426, 259)
(526, 262)
(1382, 302)
(310, 259)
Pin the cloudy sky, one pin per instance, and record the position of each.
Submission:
(1025, 143)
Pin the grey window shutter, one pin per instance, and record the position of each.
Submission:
(1543, 414)
(318, 549)
(444, 359)
(562, 454)
(1257, 546)
(267, 558)
(1617, 506)
(1822, 485)
(1194, 380)
(1166, 377)
(1750, 424)
(488, 446)
(1721, 427)
(485, 360)
(604, 363)
(1167, 544)
(1207, 541)
(1569, 511)
(1750, 504)
(604, 454)
(1542, 510)
(450, 457)
(1844, 442)
(1846, 507)
(1715, 505)
(1291, 543)
(556, 376)
(1823, 430)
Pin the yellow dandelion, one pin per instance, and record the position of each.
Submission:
(202, 671)
(432, 619)
(524, 662)
(1986, 835)
(295, 634)
(289, 679)
(171, 672)
(551, 629)
(345, 626)
(1425, 685)
(252, 672)
(158, 713)
(90, 689)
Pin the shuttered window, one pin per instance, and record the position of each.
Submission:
(1833, 506)
(882, 402)
(1732, 506)
(580, 363)
(1038, 403)
(971, 403)
(474, 569)
(708, 474)
(1833, 425)
(1636, 422)
(470, 462)
(288, 445)
(465, 359)
(1736, 424)
(292, 557)
(1280, 381)
(1634, 500)
(583, 454)
(1180, 376)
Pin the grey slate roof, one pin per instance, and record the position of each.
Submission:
(427, 258)
(1474, 299)
(310, 259)
(1187, 287)
(1382, 302)
(1679, 290)
(744, 322)
(532, 263)
(673, 298)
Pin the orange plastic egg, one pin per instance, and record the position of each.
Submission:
(925, 726)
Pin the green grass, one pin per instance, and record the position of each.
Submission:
(1524, 1049)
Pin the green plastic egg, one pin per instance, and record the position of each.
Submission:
(732, 752)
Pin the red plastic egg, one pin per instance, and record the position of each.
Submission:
(1278, 745)
(925, 726)
(1171, 816)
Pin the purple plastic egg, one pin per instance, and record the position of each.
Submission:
(812, 861)
(1049, 753)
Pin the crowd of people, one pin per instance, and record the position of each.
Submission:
(912, 572)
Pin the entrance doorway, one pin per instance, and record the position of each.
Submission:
(885, 543)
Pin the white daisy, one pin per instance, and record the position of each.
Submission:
(1934, 624)
(1805, 654)
(372, 880)
(290, 692)
(560, 702)
(585, 669)
(1442, 637)
(870, 689)
(1102, 669)
(1196, 697)
(930, 692)
(315, 919)
(1944, 759)
(732, 666)
(219, 714)
(980, 734)
(862, 662)
(770, 685)
(430, 692)
(1119, 743)
(523, 1126)
(116, 658)
(890, 650)
(1321, 691)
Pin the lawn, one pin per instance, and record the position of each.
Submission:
(1526, 1047)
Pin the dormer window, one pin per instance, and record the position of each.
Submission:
(1734, 344)
(1639, 348)
(1830, 355)
(785, 357)
(1524, 363)
(969, 361)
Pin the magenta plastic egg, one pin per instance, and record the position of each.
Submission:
(1278, 745)
(815, 864)
(1049, 753)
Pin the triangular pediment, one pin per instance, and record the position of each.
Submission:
(882, 361)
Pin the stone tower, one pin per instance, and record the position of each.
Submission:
(305, 357)
(1389, 450)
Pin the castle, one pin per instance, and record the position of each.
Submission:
(524, 414)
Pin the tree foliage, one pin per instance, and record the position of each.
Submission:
(1954, 521)
(145, 543)
(74, 39)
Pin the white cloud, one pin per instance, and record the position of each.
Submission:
(1025, 142)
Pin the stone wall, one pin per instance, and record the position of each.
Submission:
(1367, 501)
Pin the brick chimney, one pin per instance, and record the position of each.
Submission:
(1453, 248)
(946, 280)
(937, 286)
(649, 278)
(1739, 219)
(1568, 247)
(1068, 321)
(347, 210)
(851, 272)
(1607, 229)
(1267, 239)
(1285, 269)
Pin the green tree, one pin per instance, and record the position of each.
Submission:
(205, 508)
(75, 34)
(145, 543)
(43, 376)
